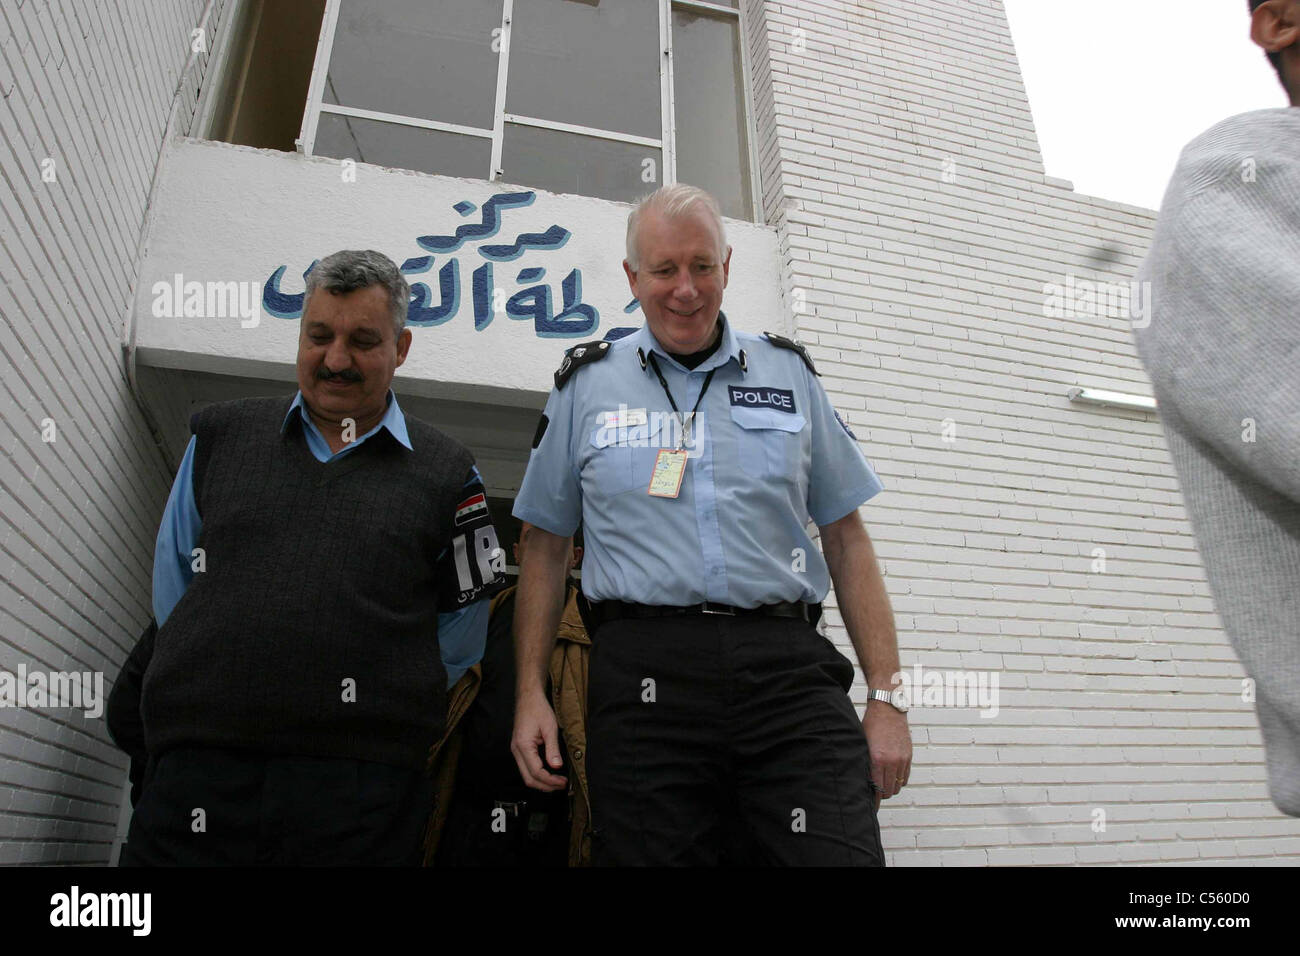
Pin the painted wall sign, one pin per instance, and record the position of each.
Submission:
(569, 317)
(498, 273)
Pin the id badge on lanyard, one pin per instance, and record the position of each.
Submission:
(670, 465)
(670, 468)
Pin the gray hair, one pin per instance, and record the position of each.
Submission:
(352, 269)
(671, 202)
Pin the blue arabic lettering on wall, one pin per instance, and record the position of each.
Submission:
(534, 302)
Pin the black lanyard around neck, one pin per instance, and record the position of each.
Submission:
(704, 388)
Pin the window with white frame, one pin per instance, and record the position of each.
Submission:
(607, 98)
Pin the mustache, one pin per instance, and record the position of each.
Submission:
(347, 374)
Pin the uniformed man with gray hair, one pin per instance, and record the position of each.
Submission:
(695, 457)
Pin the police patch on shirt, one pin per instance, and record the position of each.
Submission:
(844, 425)
(762, 396)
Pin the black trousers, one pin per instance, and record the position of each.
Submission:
(531, 832)
(259, 809)
(705, 727)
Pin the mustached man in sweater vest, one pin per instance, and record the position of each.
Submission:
(320, 579)
(1222, 348)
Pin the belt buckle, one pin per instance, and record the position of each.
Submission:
(514, 809)
(722, 609)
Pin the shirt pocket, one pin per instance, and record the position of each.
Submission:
(623, 460)
(768, 441)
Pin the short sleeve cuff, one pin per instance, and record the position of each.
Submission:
(851, 501)
(547, 522)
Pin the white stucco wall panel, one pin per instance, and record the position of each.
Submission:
(259, 210)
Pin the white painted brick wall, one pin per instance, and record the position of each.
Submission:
(89, 85)
(924, 303)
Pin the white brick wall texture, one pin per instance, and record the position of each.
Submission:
(902, 172)
(88, 86)
(901, 168)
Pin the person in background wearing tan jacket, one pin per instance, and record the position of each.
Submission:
(483, 814)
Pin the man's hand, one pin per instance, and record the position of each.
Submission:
(891, 748)
(544, 558)
(535, 727)
(864, 604)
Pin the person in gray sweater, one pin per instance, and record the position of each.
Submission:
(1222, 349)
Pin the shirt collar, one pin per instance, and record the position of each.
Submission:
(728, 348)
(393, 418)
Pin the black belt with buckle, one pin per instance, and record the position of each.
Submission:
(603, 611)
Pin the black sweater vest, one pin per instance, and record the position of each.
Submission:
(314, 627)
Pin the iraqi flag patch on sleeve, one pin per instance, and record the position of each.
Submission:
(475, 506)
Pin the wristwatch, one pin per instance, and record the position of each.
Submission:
(896, 698)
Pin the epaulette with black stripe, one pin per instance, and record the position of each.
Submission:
(577, 357)
(781, 342)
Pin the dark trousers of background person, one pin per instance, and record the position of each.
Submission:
(749, 726)
(530, 830)
(276, 811)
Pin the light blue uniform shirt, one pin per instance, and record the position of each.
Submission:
(461, 633)
(768, 454)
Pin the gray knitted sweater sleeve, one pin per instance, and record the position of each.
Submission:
(1223, 344)
(1222, 350)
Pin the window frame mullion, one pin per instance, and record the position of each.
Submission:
(751, 124)
(668, 159)
(705, 7)
(499, 112)
(592, 131)
(398, 119)
(306, 142)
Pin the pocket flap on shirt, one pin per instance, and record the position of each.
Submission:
(633, 436)
(753, 418)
